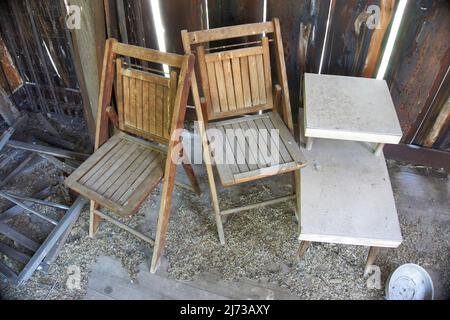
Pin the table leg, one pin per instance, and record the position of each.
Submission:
(379, 149)
(309, 143)
(302, 249)
(373, 252)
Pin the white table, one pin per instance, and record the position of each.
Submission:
(347, 198)
(349, 108)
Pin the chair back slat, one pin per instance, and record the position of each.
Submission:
(236, 82)
(145, 102)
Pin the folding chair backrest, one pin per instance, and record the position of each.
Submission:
(149, 105)
(145, 102)
(238, 81)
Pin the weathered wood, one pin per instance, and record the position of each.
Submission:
(60, 153)
(20, 238)
(51, 240)
(17, 170)
(170, 169)
(248, 72)
(7, 109)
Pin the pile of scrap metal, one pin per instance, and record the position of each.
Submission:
(16, 246)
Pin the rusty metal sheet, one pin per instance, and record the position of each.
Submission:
(420, 62)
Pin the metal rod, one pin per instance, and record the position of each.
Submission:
(51, 240)
(257, 205)
(125, 227)
(24, 206)
(43, 202)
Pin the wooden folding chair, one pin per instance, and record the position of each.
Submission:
(237, 86)
(125, 169)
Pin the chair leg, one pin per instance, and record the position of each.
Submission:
(297, 187)
(215, 201)
(373, 253)
(304, 245)
(94, 220)
(192, 178)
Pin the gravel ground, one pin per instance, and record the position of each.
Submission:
(260, 246)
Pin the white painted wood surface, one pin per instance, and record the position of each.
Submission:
(347, 196)
(349, 108)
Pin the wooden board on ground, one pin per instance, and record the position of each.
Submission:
(350, 108)
(347, 197)
(109, 280)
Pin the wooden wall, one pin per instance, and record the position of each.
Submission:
(418, 73)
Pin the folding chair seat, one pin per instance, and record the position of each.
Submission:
(245, 121)
(126, 168)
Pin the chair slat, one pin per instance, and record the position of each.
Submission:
(246, 83)
(220, 78)
(254, 85)
(237, 83)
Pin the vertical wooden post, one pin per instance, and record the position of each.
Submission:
(179, 113)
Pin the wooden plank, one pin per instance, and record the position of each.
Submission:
(229, 84)
(264, 134)
(20, 238)
(253, 73)
(170, 105)
(230, 32)
(204, 77)
(237, 149)
(282, 75)
(261, 79)
(8, 272)
(288, 139)
(267, 172)
(233, 54)
(126, 101)
(120, 93)
(51, 240)
(94, 172)
(246, 83)
(13, 253)
(150, 173)
(244, 146)
(146, 76)
(17, 170)
(152, 107)
(253, 141)
(171, 59)
(95, 158)
(122, 169)
(213, 89)
(137, 171)
(145, 107)
(133, 103)
(221, 87)
(159, 109)
(60, 153)
(139, 115)
(237, 83)
(96, 182)
(267, 72)
(282, 147)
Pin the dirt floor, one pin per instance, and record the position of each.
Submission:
(260, 243)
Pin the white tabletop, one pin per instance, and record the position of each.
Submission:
(347, 196)
(350, 108)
